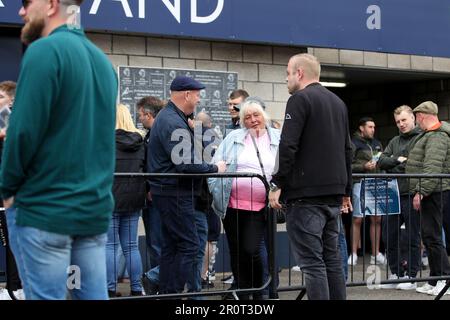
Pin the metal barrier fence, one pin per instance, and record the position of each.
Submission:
(234, 292)
(376, 274)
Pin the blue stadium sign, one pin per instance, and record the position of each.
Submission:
(419, 27)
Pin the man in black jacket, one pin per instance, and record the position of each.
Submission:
(314, 176)
(236, 98)
(172, 141)
(148, 109)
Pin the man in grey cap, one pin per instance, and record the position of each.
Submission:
(431, 155)
(172, 141)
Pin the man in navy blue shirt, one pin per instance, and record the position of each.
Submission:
(172, 141)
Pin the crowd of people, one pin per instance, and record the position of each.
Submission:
(66, 210)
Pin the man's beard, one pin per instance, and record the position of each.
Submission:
(32, 30)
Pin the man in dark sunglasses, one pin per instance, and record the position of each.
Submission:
(235, 99)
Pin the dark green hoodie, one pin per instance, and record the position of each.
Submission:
(399, 146)
(58, 158)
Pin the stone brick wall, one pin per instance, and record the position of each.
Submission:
(262, 72)
(261, 69)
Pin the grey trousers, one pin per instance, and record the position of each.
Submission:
(313, 231)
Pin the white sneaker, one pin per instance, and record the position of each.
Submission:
(352, 259)
(229, 280)
(211, 275)
(406, 285)
(425, 288)
(295, 269)
(4, 295)
(19, 294)
(439, 286)
(380, 259)
(390, 285)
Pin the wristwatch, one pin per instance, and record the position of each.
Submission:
(273, 187)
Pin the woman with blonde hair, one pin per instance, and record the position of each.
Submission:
(129, 196)
(241, 202)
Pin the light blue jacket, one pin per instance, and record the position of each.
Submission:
(229, 151)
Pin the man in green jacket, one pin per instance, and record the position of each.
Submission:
(431, 155)
(393, 160)
(58, 160)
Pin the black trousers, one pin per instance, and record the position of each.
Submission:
(431, 229)
(13, 282)
(410, 244)
(245, 233)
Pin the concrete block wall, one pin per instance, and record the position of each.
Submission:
(341, 57)
(261, 69)
(380, 101)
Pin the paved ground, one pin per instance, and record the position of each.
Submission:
(356, 274)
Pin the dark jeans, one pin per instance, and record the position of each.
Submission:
(180, 243)
(13, 280)
(343, 248)
(194, 281)
(432, 207)
(394, 243)
(245, 233)
(313, 231)
(152, 225)
(446, 224)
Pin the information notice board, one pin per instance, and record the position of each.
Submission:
(138, 82)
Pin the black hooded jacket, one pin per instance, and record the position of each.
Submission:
(129, 193)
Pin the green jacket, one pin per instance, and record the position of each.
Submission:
(59, 154)
(430, 155)
(399, 146)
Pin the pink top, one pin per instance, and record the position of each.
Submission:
(250, 193)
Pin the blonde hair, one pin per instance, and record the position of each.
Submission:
(251, 105)
(403, 108)
(309, 63)
(124, 120)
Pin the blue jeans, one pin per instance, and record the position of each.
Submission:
(152, 224)
(45, 260)
(123, 229)
(313, 231)
(153, 275)
(181, 244)
(194, 283)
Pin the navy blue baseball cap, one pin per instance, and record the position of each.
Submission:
(183, 83)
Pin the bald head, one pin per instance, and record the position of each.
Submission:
(186, 100)
(204, 118)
